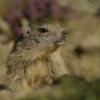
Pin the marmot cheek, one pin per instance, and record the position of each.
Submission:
(52, 45)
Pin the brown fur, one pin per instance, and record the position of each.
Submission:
(36, 60)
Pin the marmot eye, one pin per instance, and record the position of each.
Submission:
(43, 30)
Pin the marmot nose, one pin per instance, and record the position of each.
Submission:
(64, 33)
(62, 39)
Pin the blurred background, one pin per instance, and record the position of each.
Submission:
(81, 51)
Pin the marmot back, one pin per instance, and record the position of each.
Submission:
(33, 63)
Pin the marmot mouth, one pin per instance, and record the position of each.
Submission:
(61, 40)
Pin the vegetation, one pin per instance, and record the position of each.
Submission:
(81, 51)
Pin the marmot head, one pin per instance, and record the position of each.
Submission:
(41, 39)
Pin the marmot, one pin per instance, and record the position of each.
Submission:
(35, 60)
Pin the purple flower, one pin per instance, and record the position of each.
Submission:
(13, 17)
(19, 2)
(18, 31)
(33, 10)
(36, 8)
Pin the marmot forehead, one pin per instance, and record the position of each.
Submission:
(53, 26)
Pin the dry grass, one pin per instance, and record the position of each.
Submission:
(85, 33)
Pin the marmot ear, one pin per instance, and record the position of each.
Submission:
(26, 31)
